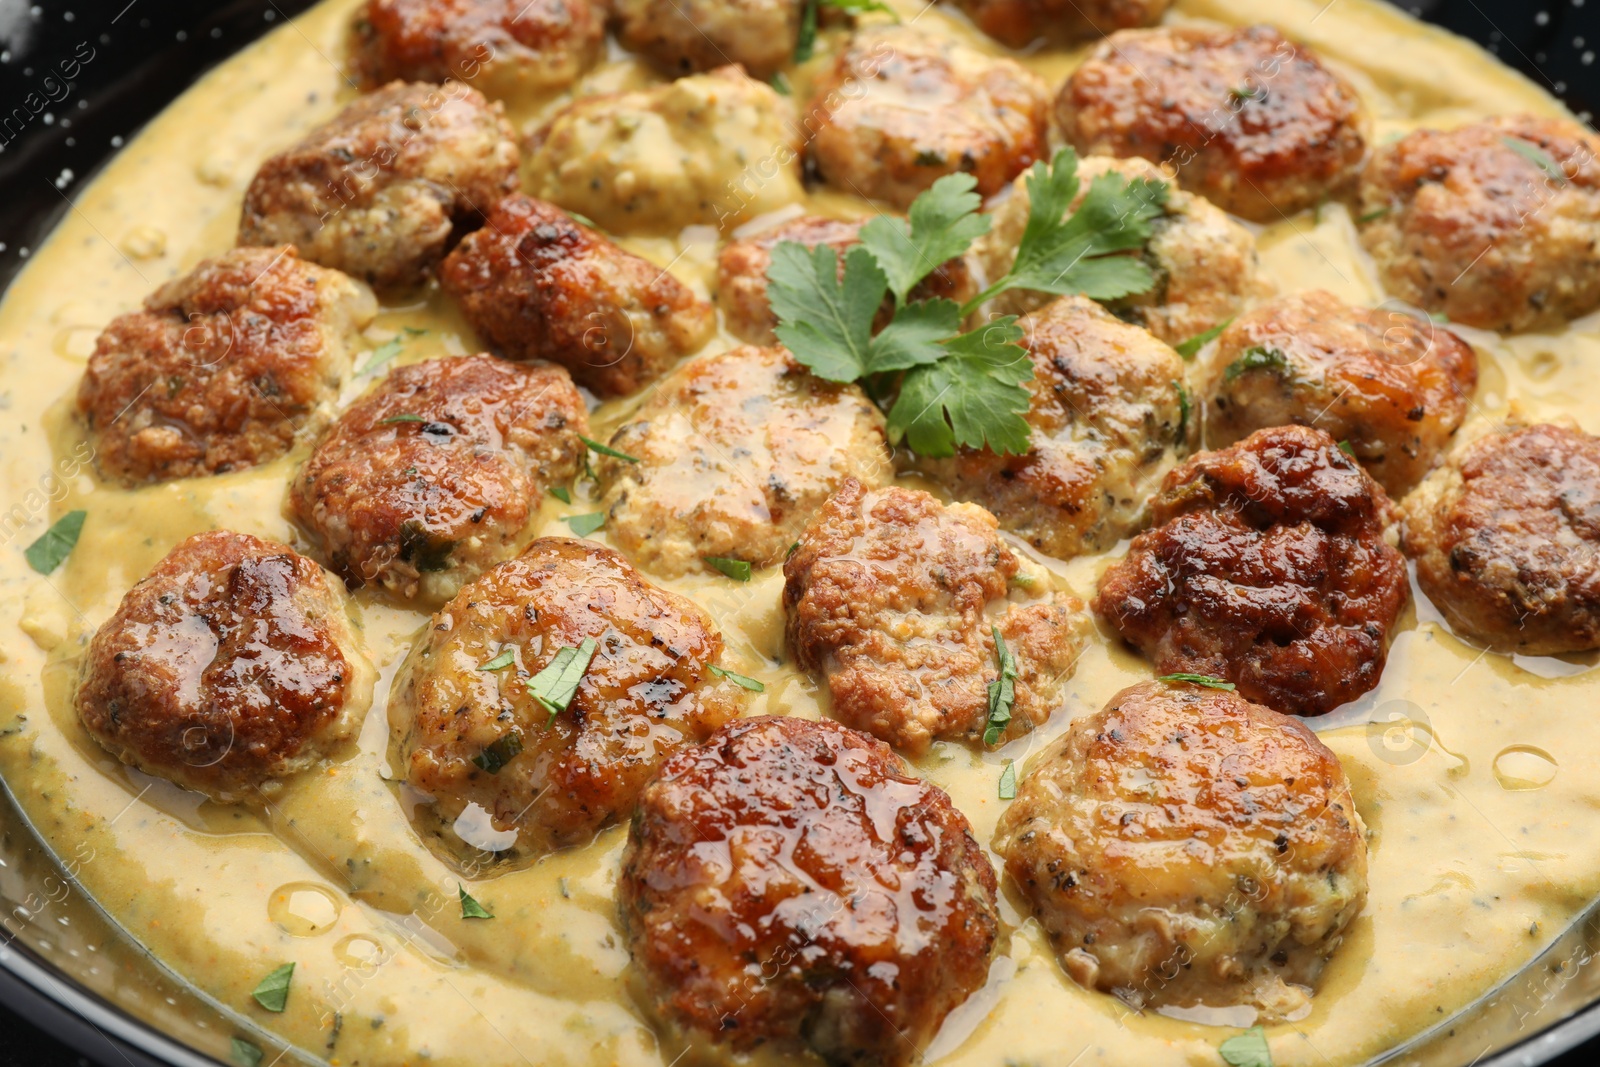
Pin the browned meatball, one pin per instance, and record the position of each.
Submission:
(1268, 567)
(1019, 23)
(789, 884)
(894, 598)
(537, 285)
(1494, 224)
(1391, 386)
(1506, 537)
(742, 273)
(508, 48)
(468, 734)
(1109, 417)
(901, 109)
(433, 477)
(381, 191)
(1249, 120)
(230, 667)
(1187, 847)
(226, 367)
(684, 36)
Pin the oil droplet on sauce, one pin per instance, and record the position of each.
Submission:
(358, 950)
(1524, 767)
(303, 909)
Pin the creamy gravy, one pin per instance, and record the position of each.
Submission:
(1474, 773)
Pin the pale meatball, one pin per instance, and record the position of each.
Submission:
(715, 149)
(742, 274)
(789, 885)
(1269, 567)
(382, 190)
(893, 599)
(732, 456)
(684, 36)
(231, 667)
(478, 742)
(1109, 418)
(1205, 263)
(536, 284)
(1392, 388)
(1506, 538)
(432, 478)
(1019, 23)
(1495, 224)
(1186, 847)
(901, 109)
(510, 49)
(1249, 120)
(227, 367)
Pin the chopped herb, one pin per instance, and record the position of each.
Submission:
(1257, 358)
(584, 525)
(606, 450)
(584, 220)
(1191, 348)
(414, 331)
(421, 549)
(273, 992)
(1538, 157)
(1242, 93)
(55, 544)
(561, 493)
(471, 909)
(805, 42)
(1344, 446)
(861, 7)
(1206, 680)
(738, 679)
(1002, 691)
(780, 85)
(1372, 216)
(929, 158)
(245, 1054)
(1008, 781)
(499, 752)
(506, 658)
(737, 569)
(1249, 1049)
(1024, 579)
(1317, 209)
(402, 418)
(792, 549)
(1183, 412)
(381, 355)
(556, 685)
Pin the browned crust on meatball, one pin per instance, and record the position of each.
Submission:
(1463, 223)
(1185, 846)
(1019, 23)
(538, 285)
(224, 368)
(647, 692)
(231, 666)
(900, 109)
(1249, 120)
(1269, 568)
(1391, 386)
(789, 883)
(684, 36)
(440, 469)
(893, 598)
(382, 190)
(1506, 538)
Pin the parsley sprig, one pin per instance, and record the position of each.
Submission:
(1002, 691)
(951, 386)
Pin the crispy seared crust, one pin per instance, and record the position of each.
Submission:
(684, 36)
(1019, 23)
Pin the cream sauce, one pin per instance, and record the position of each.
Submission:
(1471, 774)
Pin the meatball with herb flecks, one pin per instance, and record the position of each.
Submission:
(1268, 566)
(226, 367)
(789, 885)
(684, 36)
(1018, 23)
(231, 667)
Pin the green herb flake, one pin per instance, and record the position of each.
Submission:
(1008, 781)
(738, 679)
(1242, 93)
(561, 493)
(245, 1054)
(1257, 358)
(606, 450)
(273, 992)
(1184, 407)
(506, 658)
(1002, 691)
(1372, 216)
(1249, 1049)
(471, 909)
(737, 569)
(1344, 446)
(407, 417)
(862, 7)
(805, 42)
(55, 544)
(556, 685)
(780, 85)
(584, 525)
(414, 331)
(499, 752)
(1538, 157)
(1191, 348)
(380, 356)
(1206, 680)
(583, 220)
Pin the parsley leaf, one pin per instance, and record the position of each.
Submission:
(1008, 781)
(780, 84)
(738, 679)
(1002, 691)
(1206, 680)
(1191, 348)
(1347, 449)
(861, 7)
(1249, 1049)
(407, 417)
(606, 450)
(506, 658)
(978, 386)
(1538, 157)
(943, 223)
(561, 493)
(245, 1054)
(471, 909)
(499, 752)
(1257, 358)
(584, 525)
(55, 544)
(737, 569)
(1372, 216)
(381, 355)
(805, 43)
(273, 992)
(556, 685)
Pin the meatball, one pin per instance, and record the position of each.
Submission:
(538, 285)
(1018, 23)
(714, 149)
(1506, 538)
(1204, 263)
(683, 36)
(742, 273)
(1391, 387)
(1494, 224)
(226, 367)
(901, 109)
(732, 456)
(382, 190)
(789, 884)
(1109, 416)
(230, 667)
(470, 732)
(894, 599)
(432, 478)
(1247, 119)
(1268, 567)
(511, 49)
(1186, 847)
